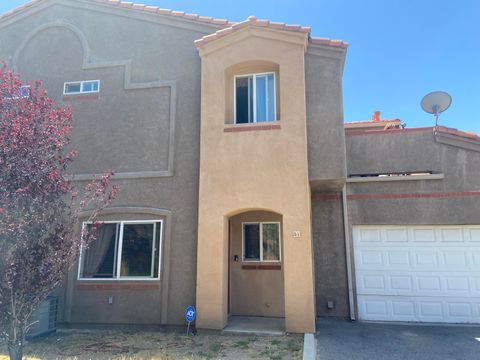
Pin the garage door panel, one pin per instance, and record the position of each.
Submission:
(474, 235)
(421, 283)
(422, 235)
(396, 235)
(419, 309)
(418, 273)
(399, 258)
(418, 258)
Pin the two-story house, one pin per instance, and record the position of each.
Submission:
(242, 190)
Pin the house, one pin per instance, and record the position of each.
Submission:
(243, 191)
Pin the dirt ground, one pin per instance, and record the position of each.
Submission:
(79, 344)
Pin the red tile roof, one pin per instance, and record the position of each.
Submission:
(370, 122)
(225, 25)
(136, 7)
(253, 21)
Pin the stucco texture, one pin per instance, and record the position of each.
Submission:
(149, 71)
(257, 169)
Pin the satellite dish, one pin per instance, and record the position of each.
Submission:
(435, 103)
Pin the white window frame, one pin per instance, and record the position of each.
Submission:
(24, 87)
(260, 223)
(81, 87)
(118, 252)
(254, 75)
(20, 96)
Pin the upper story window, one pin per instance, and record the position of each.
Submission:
(255, 98)
(81, 87)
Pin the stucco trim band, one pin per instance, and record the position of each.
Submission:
(359, 179)
(118, 286)
(80, 97)
(261, 267)
(252, 128)
(328, 196)
(414, 195)
(89, 64)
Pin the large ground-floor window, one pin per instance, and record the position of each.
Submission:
(123, 250)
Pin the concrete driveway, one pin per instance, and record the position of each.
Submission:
(345, 340)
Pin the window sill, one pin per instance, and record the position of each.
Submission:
(118, 286)
(270, 125)
(75, 97)
(261, 267)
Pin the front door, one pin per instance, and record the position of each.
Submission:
(256, 267)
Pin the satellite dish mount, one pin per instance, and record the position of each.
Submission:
(435, 103)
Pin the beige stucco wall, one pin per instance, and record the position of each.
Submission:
(247, 170)
(258, 292)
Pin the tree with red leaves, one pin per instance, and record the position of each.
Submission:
(40, 204)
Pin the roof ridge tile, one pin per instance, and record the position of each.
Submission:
(223, 23)
(135, 7)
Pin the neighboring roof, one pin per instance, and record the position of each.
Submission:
(135, 7)
(374, 123)
(442, 134)
(263, 23)
(370, 123)
(377, 124)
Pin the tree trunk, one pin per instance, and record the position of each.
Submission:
(16, 351)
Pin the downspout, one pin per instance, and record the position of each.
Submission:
(351, 299)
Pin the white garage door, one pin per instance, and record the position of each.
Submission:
(418, 273)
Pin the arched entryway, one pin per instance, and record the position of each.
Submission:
(256, 274)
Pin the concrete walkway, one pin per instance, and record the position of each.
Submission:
(345, 340)
(255, 325)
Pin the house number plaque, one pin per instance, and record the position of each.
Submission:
(296, 234)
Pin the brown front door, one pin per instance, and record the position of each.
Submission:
(256, 268)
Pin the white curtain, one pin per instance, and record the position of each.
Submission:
(95, 254)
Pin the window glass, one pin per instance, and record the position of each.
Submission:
(261, 92)
(24, 91)
(72, 88)
(137, 250)
(255, 98)
(90, 86)
(81, 87)
(99, 260)
(242, 93)
(271, 241)
(251, 233)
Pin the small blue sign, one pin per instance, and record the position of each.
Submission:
(190, 313)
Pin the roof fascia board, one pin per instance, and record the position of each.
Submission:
(294, 38)
(156, 18)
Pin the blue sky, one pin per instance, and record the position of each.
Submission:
(399, 49)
